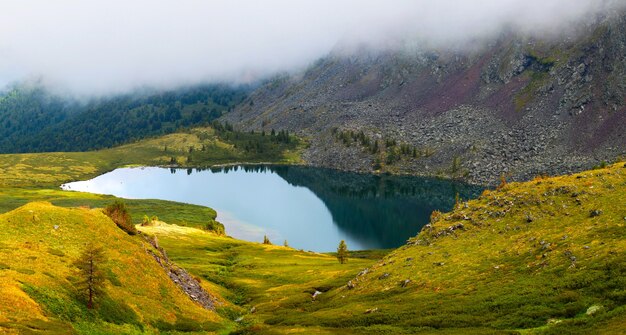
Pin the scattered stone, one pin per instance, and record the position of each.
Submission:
(350, 285)
(586, 247)
(316, 294)
(594, 213)
(405, 282)
(239, 319)
(439, 263)
(529, 218)
(595, 309)
(408, 259)
(554, 321)
(56, 227)
(371, 310)
(363, 272)
(190, 285)
(252, 310)
(383, 276)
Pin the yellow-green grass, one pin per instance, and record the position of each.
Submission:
(38, 244)
(531, 258)
(54, 169)
(172, 212)
(254, 275)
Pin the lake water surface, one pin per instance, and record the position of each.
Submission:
(311, 208)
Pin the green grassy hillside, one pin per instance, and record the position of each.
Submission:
(38, 244)
(542, 257)
(546, 256)
(258, 280)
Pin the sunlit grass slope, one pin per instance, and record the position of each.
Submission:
(259, 280)
(169, 211)
(546, 256)
(38, 244)
(204, 146)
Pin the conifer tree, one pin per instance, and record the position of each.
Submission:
(342, 252)
(90, 276)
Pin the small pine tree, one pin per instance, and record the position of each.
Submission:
(266, 240)
(145, 221)
(90, 282)
(342, 252)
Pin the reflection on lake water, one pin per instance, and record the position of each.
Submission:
(311, 208)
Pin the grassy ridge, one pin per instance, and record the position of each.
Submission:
(39, 242)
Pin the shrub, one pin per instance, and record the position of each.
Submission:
(118, 212)
(215, 227)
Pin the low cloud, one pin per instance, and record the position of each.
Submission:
(105, 47)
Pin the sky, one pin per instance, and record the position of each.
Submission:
(101, 47)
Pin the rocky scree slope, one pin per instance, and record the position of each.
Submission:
(519, 106)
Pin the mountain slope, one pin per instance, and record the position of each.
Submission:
(520, 106)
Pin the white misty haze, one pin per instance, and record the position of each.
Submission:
(102, 47)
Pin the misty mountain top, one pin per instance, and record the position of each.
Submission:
(105, 47)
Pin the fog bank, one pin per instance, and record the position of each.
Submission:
(102, 47)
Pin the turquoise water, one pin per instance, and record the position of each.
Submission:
(311, 208)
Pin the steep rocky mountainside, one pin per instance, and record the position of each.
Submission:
(519, 107)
